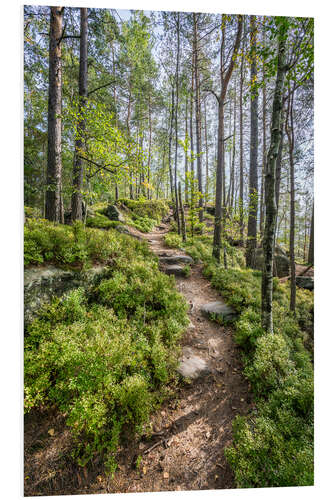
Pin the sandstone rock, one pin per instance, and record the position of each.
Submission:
(219, 311)
(281, 262)
(176, 259)
(113, 213)
(40, 284)
(176, 270)
(306, 282)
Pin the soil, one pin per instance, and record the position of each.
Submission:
(189, 432)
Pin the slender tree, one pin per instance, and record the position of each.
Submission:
(83, 84)
(225, 74)
(53, 208)
(270, 202)
(253, 177)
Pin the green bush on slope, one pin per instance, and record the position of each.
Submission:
(105, 360)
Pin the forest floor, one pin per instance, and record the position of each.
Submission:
(189, 431)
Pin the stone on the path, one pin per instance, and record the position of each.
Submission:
(306, 282)
(176, 259)
(219, 311)
(192, 366)
(176, 270)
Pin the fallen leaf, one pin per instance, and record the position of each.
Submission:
(165, 475)
(99, 479)
(51, 432)
(207, 434)
(144, 469)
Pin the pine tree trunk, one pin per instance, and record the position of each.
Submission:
(291, 144)
(311, 244)
(186, 153)
(197, 114)
(181, 209)
(253, 177)
(220, 190)
(177, 215)
(241, 148)
(83, 77)
(270, 203)
(54, 161)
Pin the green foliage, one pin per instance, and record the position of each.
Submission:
(154, 209)
(173, 240)
(101, 222)
(104, 362)
(274, 447)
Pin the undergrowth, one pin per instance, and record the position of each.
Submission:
(106, 360)
(274, 445)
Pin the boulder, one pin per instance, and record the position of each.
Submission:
(218, 311)
(176, 259)
(281, 266)
(306, 282)
(176, 270)
(113, 213)
(40, 284)
(192, 366)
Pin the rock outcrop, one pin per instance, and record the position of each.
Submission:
(40, 284)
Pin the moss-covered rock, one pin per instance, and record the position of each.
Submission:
(41, 284)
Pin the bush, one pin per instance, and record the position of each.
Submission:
(173, 240)
(101, 222)
(105, 361)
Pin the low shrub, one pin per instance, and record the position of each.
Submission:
(173, 240)
(100, 221)
(105, 361)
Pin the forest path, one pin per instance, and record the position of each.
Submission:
(191, 431)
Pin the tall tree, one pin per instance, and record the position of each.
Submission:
(53, 206)
(270, 203)
(83, 88)
(225, 74)
(253, 177)
(197, 110)
(311, 244)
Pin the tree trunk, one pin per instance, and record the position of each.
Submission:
(261, 222)
(206, 147)
(241, 149)
(225, 78)
(311, 244)
(253, 177)
(291, 144)
(270, 204)
(54, 162)
(83, 77)
(181, 209)
(177, 216)
(186, 153)
(197, 113)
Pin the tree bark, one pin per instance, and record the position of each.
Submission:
(253, 177)
(241, 148)
(54, 161)
(311, 244)
(291, 144)
(177, 216)
(225, 78)
(270, 203)
(181, 209)
(83, 85)
(197, 113)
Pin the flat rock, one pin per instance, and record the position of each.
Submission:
(192, 366)
(176, 259)
(176, 270)
(219, 311)
(306, 282)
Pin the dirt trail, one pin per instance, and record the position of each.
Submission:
(190, 432)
